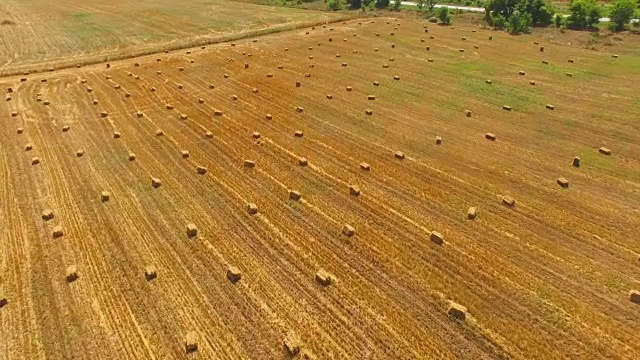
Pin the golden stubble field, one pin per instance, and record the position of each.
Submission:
(335, 255)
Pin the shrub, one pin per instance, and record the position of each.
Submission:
(443, 15)
(354, 4)
(498, 22)
(395, 6)
(541, 13)
(558, 20)
(334, 5)
(621, 13)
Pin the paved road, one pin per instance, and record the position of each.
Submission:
(479, 9)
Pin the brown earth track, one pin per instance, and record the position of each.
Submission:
(546, 279)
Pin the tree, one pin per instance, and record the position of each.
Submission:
(334, 5)
(354, 4)
(621, 13)
(541, 12)
(420, 4)
(518, 23)
(443, 15)
(382, 4)
(500, 7)
(395, 6)
(584, 14)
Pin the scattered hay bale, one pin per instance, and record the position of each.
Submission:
(292, 344)
(364, 166)
(185, 154)
(249, 164)
(521, 72)
(348, 230)
(298, 82)
(95, 101)
(117, 86)
(576, 162)
(105, 196)
(252, 208)
(286, 49)
(281, 67)
(396, 77)
(9, 90)
(3, 301)
(371, 97)
(57, 232)
(116, 135)
(298, 133)
(437, 238)
(344, 64)
(200, 101)
(310, 56)
(47, 214)
(545, 62)
(506, 107)
(66, 128)
(428, 48)
(605, 151)
(8, 98)
(23, 79)
(136, 64)
(614, 56)
(184, 116)
(392, 59)
(153, 89)
(226, 76)
(80, 153)
(35, 161)
(354, 190)
(14, 113)
(180, 86)
(299, 109)
(256, 135)
(324, 278)
(20, 130)
(255, 90)
(233, 97)
(375, 49)
(127, 94)
(159, 72)
(43, 80)
(303, 161)
(192, 230)
(438, 140)
(201, 169)
(349, 88)
(464, 38)
(155, 183)
(430, 60)
(634, 296)
(508, 201)
(150, 272)
(139, 113)
(375, 83)
(399, 155)
(550, 107)
(234, 274)
(569, 74)
(104, 114)
(191, 342)
(269, 75)
(541, 48)
(72, 273)
(211, 86)
(563, 182)
(467, 113)
(329, 96)
(337, 55)
(532, 82)
(246, 66)
(28, 147)
(570, 61)
(132, 157)
(169, 107)
(457, 311)
(488, 81)
(472, 213)
(208, 135)
(295, 195)
(218, 112)
(461, 50)
(490, 136)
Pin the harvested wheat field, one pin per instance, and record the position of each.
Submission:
(360, 212)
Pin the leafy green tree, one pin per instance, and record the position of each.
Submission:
(558, 20)
(334, 5)
(443, 15)
(355, 4)
(500, 7)
(382, 4)
(420, 4)
(584, 14)
(518, 23)
(541, 12)
(621, 13)
(395, 6)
